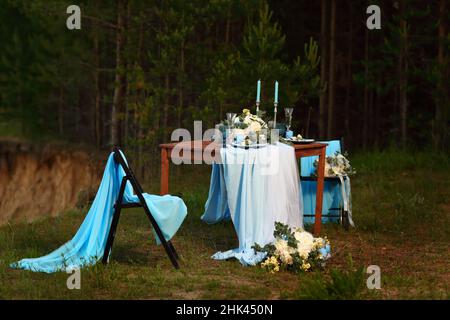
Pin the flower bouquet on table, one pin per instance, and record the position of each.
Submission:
(294, 250)
(336, 165)
(247, 130)
(250, 129)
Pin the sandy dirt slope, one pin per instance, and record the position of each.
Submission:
(38, 181)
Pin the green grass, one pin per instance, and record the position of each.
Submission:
(342, 285)
(401, 208)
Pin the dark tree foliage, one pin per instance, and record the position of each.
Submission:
(138, 69)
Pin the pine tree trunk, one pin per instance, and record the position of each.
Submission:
(227, 27)
(119, 82)
(97, 90)
(166, 100)
(332, 71)
(323, 67)
(180, 85)
(125, 88)
(439, 128)
(60, 112)
(371, 122)
(403, 76)
(377, 128)
(137, 112)
(349, 76)
(366, 90)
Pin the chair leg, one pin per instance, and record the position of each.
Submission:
(345, 220)
(115, 221)
(173, 249)
(112, 234)
(169, 248)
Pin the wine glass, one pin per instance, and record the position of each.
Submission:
(230, 119)
(288, 114)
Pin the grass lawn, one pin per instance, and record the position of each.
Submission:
(401, 205)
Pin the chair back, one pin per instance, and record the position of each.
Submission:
(307, 163)
(120, 159)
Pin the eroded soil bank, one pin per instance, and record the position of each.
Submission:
(44, 180)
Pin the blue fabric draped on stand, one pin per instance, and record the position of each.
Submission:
(88, 244)
(331, 191)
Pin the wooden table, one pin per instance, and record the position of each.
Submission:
(195, 151)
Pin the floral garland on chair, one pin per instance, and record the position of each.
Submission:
(336, 165)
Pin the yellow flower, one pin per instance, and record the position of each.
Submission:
(319, 243)
(306, 266)
(271, 264)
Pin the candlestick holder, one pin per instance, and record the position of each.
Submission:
(275, 115)
(257, 108)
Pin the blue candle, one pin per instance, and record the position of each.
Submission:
(276, 92)
(258, 91)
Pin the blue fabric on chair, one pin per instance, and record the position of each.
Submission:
(331, 192)
(88, 244)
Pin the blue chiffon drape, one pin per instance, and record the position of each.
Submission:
(89, 242)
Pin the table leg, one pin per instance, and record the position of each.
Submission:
(319, 192)
(164, 171)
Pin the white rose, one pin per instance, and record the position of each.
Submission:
(247, 120)
(303, 237)
(281, 245)
(304, 251)
(305, 243)
(255, 126)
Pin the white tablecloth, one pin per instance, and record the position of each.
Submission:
(255, 188)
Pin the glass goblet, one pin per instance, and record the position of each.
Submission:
(230, 119)
(288, 114)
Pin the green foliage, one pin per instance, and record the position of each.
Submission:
(341, 285)
(305, 76)
(282, 231)
(196, 60)
(232, 85)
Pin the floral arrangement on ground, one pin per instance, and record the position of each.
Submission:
(294, 250)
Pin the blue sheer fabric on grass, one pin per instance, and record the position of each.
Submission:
(331, 192)
(89, 242)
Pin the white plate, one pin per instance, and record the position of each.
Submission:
(301, 141)
(253, 146)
